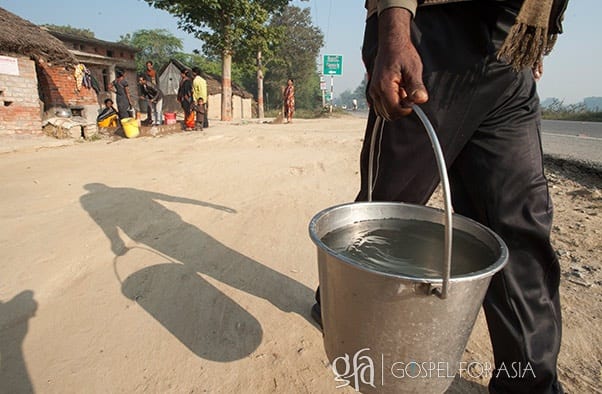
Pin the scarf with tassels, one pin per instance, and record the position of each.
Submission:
(529, 39)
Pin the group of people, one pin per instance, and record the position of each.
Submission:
(192, 96)
(149, 92)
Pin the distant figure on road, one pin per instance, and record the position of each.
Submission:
(354, 102)
(289, 100)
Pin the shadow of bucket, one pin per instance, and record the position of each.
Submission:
(398, 330)
(130, 127)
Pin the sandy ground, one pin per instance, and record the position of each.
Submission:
(182, 263)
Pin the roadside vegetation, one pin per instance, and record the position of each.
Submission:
(556, 110)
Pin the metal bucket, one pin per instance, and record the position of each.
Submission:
(395, 332)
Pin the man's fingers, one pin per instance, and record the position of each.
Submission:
(398, 104)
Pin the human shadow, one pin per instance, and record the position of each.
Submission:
(14, 322)
(175, 293)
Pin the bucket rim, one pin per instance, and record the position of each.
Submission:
(488, 271)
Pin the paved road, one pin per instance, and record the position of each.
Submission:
(580, 141)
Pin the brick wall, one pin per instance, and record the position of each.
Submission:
(20, 106)
(58, 88)
(38, 88)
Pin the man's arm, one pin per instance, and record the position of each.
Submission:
(396, 81)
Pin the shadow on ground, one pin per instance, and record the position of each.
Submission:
(176, 293)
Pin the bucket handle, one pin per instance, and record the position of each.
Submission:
(447, 248)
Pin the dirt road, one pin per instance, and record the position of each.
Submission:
(181, 263)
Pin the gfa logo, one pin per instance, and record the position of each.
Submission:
(353, 371)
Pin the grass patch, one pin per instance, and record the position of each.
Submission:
(317, 113)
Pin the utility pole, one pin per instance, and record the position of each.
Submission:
(259, 87)
(331, 91)
(323, 90)
(322, 84)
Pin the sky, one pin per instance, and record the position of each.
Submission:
(571, 73)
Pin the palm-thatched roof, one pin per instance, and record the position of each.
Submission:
(20, 36)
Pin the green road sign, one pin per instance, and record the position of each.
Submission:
(333, 65)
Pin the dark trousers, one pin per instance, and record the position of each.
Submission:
(487, 119)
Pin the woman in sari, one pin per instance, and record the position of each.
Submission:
(289, 101)
(185, 99)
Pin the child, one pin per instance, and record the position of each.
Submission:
(199, 107)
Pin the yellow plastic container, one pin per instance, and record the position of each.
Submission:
(130, 127)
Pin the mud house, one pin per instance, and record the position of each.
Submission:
(169, 81)
(37, 77)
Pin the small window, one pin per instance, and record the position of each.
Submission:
(109, 53)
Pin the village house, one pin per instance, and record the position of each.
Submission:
(102, 58)
(45, 75)
(37, 77)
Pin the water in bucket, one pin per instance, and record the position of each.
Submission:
(411, 248)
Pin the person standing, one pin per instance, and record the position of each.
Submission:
(151, 74)
(472, 67)
(199, 108)
(289, 100)
(122, 93)
(186, 100)
(199, 90)
(154, 97)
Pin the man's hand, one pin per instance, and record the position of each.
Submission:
(396, 81)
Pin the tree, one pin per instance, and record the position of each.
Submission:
(224, 26)
(295, 57)
(360, 94)
(87, 33)
(208, 65)
(158, 45)
(346, 97)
